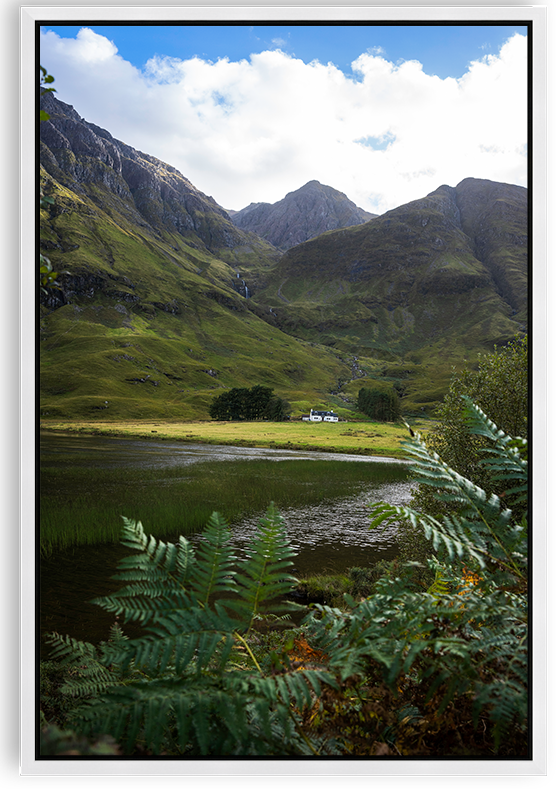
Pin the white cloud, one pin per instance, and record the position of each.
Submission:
(256, 129)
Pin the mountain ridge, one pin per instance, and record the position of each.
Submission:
(409, 286)
(147, 186)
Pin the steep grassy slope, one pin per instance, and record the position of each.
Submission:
(149, 320)
(149, 328)
(408, 293)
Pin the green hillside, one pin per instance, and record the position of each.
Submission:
(406, 293)
(151, 326)
(163, 302)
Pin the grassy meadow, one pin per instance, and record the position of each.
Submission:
(362, 437)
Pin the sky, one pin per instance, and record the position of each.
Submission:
(383, 113)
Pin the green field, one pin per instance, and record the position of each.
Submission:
(363, 437)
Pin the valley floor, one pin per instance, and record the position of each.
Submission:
(362, 437)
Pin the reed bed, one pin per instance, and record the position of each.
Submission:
(84, 505)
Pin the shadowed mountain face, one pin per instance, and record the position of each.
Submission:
(301, 215)
(150, 193)
(426, 284)
(164, 302)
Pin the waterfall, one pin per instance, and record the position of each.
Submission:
(244, 290)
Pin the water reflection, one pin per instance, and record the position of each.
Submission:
(94, 451)
(336, 535)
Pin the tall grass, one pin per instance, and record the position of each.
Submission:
(84, 505)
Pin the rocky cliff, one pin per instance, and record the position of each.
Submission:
(151, 193)
(301, 215)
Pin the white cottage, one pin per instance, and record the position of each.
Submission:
(323, 416)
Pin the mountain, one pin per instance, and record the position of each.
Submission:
(143, 190)
(414, 291)
(152, 317)
(301, 215)
(163, 302)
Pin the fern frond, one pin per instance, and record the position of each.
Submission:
(506, 454)
(87, 675)
(262, 577)
(181, 639)
(160, 572)
(214, 568)
(440, 585)
(481, 530)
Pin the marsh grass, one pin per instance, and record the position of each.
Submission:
(84, 505)
(329, 588)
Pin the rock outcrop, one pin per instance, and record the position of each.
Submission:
(80, 154)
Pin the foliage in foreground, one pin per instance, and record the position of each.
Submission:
(500, 386)
(447, 667)
(405, 672)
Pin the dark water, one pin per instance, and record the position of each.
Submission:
(57, 449)
(329, 536)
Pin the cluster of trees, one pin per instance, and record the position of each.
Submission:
(258, 402)
(380, 404)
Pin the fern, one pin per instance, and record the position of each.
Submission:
(213, 570)
(400, 664)
(506, 454)
(464, 640)
(180, 686)
(263, 576)
(482, 528)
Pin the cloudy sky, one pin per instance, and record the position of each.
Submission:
(385, 113)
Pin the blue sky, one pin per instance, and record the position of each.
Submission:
(383, 113)
(443, 50)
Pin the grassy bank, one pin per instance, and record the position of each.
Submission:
(363, 437)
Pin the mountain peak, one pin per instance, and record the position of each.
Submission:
(301, 215)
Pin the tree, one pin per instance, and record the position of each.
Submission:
(246, 404)
(382, 405)
(258, 401)
(47, 276)
(231, 405)
(500, 386)
(278, 409)
(44, 79)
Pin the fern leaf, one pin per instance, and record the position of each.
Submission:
(160, 571)
(440, 585)
(213, 571)
(262, 578)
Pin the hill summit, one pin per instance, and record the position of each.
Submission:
(301, 215)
